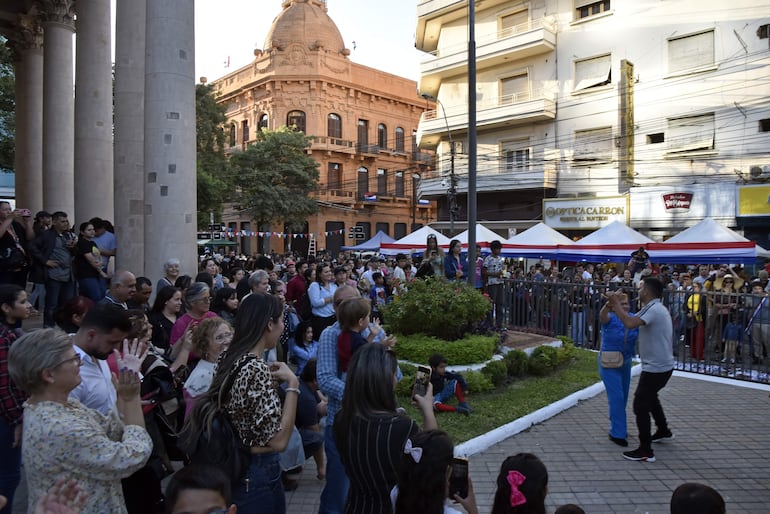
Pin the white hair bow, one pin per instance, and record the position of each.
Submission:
(414, 451)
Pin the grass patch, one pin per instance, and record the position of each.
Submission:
(514, 400)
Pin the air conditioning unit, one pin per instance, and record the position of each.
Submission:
(758, 172)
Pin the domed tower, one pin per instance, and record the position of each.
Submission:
(302, 33)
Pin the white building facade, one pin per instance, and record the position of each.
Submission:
(667, 103)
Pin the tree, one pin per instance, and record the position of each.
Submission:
(7, 108)
(213, 185)
(275, 177)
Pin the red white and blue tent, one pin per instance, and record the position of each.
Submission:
(414, 242)
(484, 236)
(612, 243)
(537, 242)
(708, 242)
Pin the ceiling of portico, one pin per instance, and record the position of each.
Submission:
(9, 10)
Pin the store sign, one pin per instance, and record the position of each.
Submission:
(677, 201)
(754, 200)
(585, 214)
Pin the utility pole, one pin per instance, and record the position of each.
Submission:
(472, 153)
(452, 191)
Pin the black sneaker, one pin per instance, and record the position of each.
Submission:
(639, 455)
(462, 409)
(619, 441)
(662, 437)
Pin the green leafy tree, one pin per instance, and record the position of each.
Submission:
(275, 177)
(7, 108)
(214, 186)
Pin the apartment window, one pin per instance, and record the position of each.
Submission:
(382, 136)
(691, 52)
(399, 230)
(383, 227)
(363, 181)
(764, 125)
(399, 139)
(232, 134)
(691, 133)
(516, 155)
(514, 89)
(334, 176)
(296, 120)
(245, 130)
(334, 125)
(262, 123)
(593, 145)
(658, 137)
(400, 184)
(514, 22)
(593, 72)
(382, 181)
(586, 8)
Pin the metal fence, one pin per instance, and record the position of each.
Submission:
(714, 333)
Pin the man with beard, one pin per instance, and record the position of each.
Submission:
(102, 330)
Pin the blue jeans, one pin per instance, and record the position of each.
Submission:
(262, 490)
(56, 294)
(335, 492)
(617, 382)
(10, 465)
(578, 327)
(445, 394)
(91, 287)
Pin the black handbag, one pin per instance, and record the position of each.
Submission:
(219, 444)
(13, 259)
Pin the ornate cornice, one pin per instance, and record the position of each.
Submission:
(27, 34)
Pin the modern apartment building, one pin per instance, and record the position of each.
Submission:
(361, 122)
(658, 110)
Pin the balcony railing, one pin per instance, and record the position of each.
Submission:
(333, 144)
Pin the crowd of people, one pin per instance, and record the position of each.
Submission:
(120, 383)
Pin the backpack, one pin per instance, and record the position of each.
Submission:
(219, 444)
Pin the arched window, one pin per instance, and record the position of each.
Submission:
(363, 182)
(232, 134)
(382, 136)
(399, 139)
(334, 126)
(262, 123)
(296, 120)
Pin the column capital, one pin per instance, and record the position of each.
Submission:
(27, 34)
(58, 11)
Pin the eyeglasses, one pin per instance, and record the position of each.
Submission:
(77, 359)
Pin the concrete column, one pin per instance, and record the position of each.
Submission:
(169, 135)
(130, 20)
(93, 112)
(58, 106)
(28, 50)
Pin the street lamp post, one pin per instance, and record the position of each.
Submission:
(416, 177)
(452, 191)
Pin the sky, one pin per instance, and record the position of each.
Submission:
(383, 32)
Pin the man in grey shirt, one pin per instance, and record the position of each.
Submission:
(656, 351)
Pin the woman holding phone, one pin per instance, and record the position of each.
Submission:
(368, 432)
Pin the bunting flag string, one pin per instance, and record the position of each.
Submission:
(282, 235)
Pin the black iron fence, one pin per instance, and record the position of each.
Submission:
(715, 333)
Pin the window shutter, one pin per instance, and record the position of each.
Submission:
(689, 52)
(691, 133)
(592, 72)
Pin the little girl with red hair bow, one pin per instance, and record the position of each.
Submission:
(521, 486)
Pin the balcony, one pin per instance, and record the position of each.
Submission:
(534, 37)
(433, 14)
(493, 178)
(332, 144)
(337, 196)
(516, 109)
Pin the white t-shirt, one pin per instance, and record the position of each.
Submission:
(394, 496)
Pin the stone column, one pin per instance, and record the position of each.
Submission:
(169, 135)
(130, 20)
(58, 106)
(28, 50)
(93, 112)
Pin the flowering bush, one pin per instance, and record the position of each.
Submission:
(443, 309)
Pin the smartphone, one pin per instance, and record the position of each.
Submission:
(458, 481)
(421, 381)
(26, 213)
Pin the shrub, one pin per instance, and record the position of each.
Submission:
(470, 350)
(477, 382)
(543, 360)
(497, 372)
(443, 309)
(566, 353)
(517, 363)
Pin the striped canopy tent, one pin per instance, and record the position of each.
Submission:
(612, 243)
(371, 245)
(484, 236)
(708, 242)
(414, 242)
(538, 242)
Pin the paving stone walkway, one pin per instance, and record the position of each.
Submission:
(722, 439)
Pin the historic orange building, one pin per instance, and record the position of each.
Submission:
(361, 121)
